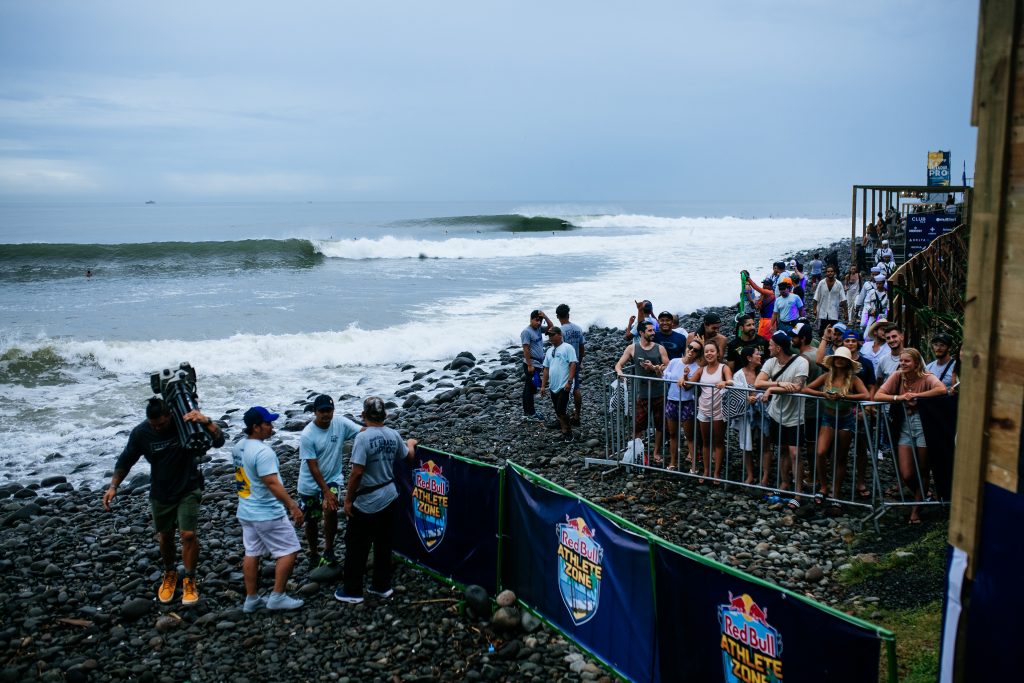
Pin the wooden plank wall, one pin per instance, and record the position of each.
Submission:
(992, 392)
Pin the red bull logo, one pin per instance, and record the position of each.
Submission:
(751, 647)
(430, 504)
(579, 568)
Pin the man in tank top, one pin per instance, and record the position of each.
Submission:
(648, 361)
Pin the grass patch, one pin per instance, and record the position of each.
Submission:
(926, 553)
(917, 642)
(908, 581)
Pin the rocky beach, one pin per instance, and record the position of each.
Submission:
(77, 585)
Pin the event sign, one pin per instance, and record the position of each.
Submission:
(923, 228)
(724, 627)
(583, 573)
(448, 519)
(938, 169)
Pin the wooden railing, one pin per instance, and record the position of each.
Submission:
(928, 290)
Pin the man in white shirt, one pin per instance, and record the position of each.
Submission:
(828, 299)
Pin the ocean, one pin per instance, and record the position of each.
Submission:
(272, 301)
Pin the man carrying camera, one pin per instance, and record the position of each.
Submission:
(176, 488)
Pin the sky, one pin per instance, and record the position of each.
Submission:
(794, 100)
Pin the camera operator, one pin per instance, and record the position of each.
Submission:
(176, 488)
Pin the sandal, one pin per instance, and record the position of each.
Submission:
(671, 468)
(863, 492)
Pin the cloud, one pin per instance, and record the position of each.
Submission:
(45, 176)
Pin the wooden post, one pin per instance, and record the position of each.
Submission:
(863, 209)
(990, 310)
(853, 228)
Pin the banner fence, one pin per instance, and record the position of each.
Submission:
(647, 609)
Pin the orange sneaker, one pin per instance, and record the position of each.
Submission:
(167, 586)
(189, 592)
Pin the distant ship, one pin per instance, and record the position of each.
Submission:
(151, 202)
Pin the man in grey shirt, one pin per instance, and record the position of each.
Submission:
(370, 503)
(532, 339)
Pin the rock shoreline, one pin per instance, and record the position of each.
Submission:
(77, 585)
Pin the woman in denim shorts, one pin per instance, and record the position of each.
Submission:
(839, 386)
(905, 386)
(679, 406)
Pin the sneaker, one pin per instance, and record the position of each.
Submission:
(167, 586)
(331, 558)
(536, 417)
(381, 594)
(574, 420)
(284, 601)
(568, 437)
(553, 424)
(250, 606)
(881, 455)
(322, 562)
(315, 561)
(341, 596)
(189, 592)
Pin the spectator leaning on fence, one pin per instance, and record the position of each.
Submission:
(784, 373)
(841, 385)
(649, 361)
(910, 383)
(679, 405)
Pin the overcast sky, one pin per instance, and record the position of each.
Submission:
(742, 99)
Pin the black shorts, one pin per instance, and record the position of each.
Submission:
(313, 506)
(560, 401)
(788, 435)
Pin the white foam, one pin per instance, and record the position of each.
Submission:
(390, 247)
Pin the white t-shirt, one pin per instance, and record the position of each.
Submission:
(785, 409)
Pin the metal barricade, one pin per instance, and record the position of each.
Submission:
(804, 449)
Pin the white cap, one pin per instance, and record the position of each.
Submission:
(879, 278)
(885, 241)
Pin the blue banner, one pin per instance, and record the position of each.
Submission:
(922, 228)
(448, 516)
(725, 628)
(583, 573)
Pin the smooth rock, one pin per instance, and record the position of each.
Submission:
(506, 598)
(135, 608)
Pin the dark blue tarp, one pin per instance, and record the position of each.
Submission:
(583, 573)
(448, 517)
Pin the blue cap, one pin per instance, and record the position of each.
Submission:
(852, 334)
(257, 415)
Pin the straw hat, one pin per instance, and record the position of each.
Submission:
(842, 352)
(870, 332)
